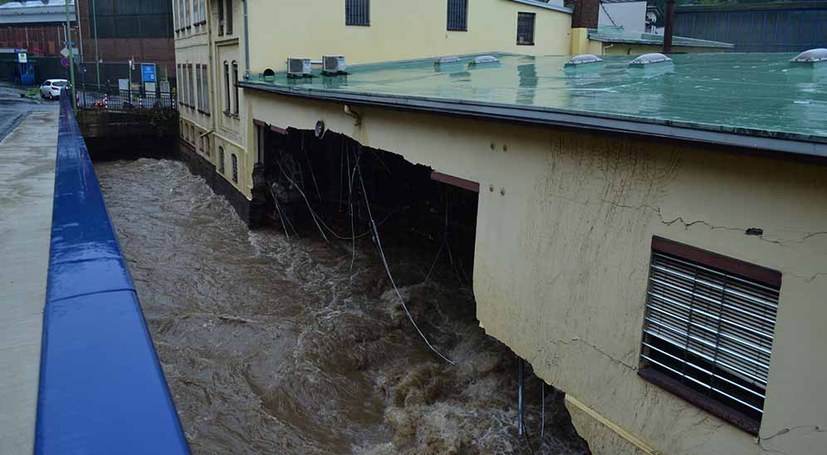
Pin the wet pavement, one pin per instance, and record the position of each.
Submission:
(28, 146)
(277, 346)
(14, 108)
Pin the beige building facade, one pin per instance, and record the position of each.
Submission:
(567, 220)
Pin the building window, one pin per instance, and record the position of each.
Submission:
(357, 12)
(226, 88)
(229, 19)
(206, 88)
(207, 149)
(458, 15)
(185, 91)
(708, 330)
(191, 75)
(221, 160)
(235, 88)
(202, 17)
(220, 17)
(525, 28)
(234, 160)
(198, 87)
(188, 12)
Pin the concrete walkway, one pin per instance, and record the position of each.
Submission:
(27, 175)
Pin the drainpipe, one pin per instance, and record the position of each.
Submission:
(246, 43)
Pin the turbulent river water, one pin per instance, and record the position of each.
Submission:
(277, 346)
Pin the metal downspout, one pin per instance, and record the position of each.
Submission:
(246, 43)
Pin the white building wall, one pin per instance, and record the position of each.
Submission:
(631, 16)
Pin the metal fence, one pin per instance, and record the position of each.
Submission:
(112, 98)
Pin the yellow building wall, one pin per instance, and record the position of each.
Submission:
(192, 46)
(564, 229)
(398, 30)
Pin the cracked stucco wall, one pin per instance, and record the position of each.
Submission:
(563, 243)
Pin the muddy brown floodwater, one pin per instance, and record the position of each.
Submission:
(273, 346)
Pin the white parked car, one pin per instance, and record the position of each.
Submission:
(52, 87)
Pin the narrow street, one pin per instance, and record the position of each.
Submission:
(14, 107)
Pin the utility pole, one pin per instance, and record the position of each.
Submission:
(97, 50)
(669, 29)
(71, 55)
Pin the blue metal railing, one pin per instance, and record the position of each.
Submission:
(101, 389)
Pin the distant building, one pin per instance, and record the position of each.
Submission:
(617, 41)
(767, 27)
(39, 27)
(630, 15)
(125, 30)
(128, 30)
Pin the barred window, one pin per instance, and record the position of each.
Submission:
(357, 12)
(708, 330)
(235, 168)
(221, 160)
(458, 15)
(525, 28)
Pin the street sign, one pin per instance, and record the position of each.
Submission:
(64, 52)
(22, 57)
(148, 72)
(65, 62)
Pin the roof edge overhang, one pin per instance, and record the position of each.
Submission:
(787, 144)
(538, 4)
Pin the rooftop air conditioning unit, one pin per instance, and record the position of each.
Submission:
(334, 64)
(299, 67)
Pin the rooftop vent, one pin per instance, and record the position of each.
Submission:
(483, 60)
(444, 60)
(648, 59)
(269, 75)
(582, 59)
(811, 56)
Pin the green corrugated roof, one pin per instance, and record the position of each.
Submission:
(618, 35)
(745, 94)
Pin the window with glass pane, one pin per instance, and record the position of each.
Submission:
(525, 28)
(708, 330)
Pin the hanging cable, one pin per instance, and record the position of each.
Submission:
(284, 221)
(390, 276)
(312, 214)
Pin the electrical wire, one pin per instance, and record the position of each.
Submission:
(390, 276)
(305, 200)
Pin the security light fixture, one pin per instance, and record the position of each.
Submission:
(582, 59)
(649, 59)
(320, 129)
